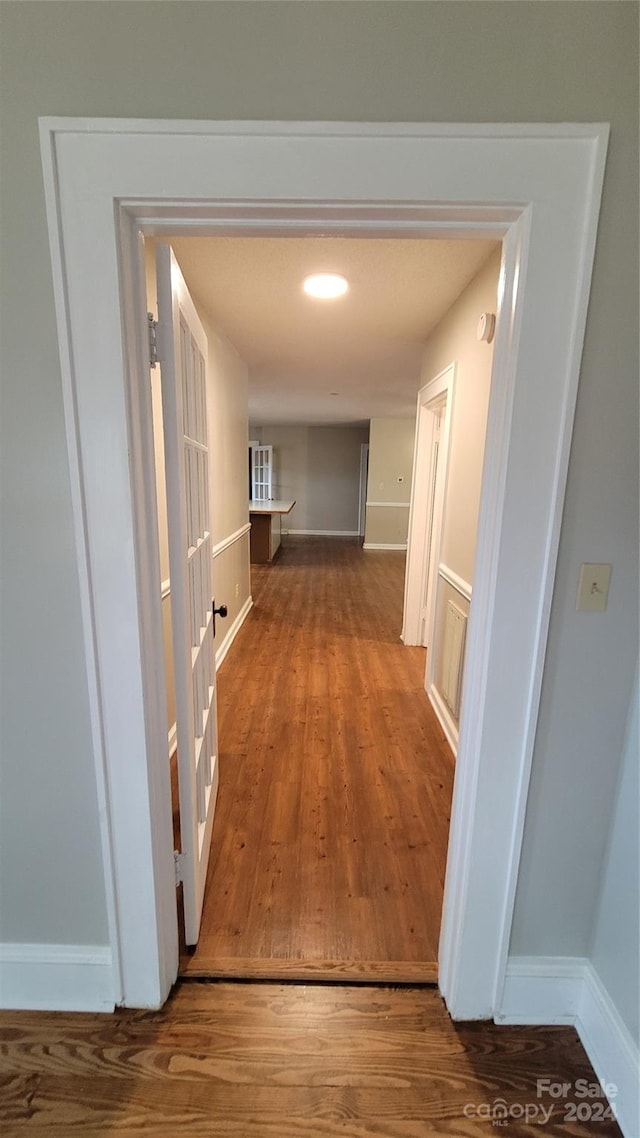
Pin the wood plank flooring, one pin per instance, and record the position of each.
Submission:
(227, 1060)
(330, 835)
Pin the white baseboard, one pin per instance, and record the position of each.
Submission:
(56, 978)
(567, 990)
(445, 718)
(542, 989)
(233, 631)
(611, 1049)
(319, 533)
(378, 545)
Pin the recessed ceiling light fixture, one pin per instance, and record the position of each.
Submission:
(325, 286)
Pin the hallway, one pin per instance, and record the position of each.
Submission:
(330, 836)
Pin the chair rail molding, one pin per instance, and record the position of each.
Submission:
(396, 505)
(455, 580)
(227, 542)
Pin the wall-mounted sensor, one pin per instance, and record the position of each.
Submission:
(486, 327)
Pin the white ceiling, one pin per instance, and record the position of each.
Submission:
(365, 346)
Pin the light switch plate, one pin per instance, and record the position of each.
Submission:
(593, 587)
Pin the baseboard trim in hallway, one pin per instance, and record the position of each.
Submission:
(319, 971)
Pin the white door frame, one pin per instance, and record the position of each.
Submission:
(425, 530)
(538, 188)
(362, 493)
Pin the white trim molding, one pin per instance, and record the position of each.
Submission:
(232, 632)
(382, 545)
(429, 479)
(231, 540)
(568, 990)
(534, 187)
(397, 505)
(611, 1049)
(458, 583)
(542, 989)
(444, 716)
(319, 533)
(56, 977)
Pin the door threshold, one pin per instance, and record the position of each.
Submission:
(328, 971)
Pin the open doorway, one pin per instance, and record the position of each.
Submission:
(330, 841)
(537, 187)
(362, 496)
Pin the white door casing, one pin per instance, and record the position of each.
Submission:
(433, 528)
(182, 351)
(426, 512)
(362, 494)
(536, 187)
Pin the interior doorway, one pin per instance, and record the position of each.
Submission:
(362, 502)
(373, 871)
(537, 187)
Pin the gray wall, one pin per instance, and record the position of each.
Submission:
(319, 468)
(358, 61)
(616, 952)
(391, 446)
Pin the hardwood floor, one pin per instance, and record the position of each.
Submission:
(228, 1060)
(330, 835)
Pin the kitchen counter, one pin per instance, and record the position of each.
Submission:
(265, 518)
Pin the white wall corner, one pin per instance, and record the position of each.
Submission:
(56, 977)
(233, 631)
(611, 1049)
(568, 990)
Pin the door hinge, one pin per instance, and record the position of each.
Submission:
(152, 328)
(178, 862)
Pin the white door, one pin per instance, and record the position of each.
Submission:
(262, 471)
(183, 356)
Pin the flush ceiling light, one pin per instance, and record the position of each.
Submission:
(325, 286)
